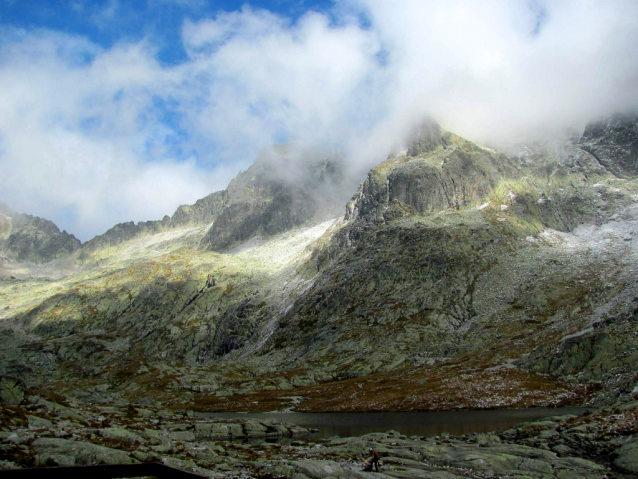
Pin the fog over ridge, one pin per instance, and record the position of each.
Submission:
(92, 136)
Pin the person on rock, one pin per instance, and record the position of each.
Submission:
(373, 461)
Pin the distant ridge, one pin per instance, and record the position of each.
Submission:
(30, 238)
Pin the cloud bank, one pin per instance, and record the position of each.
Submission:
(91, 136)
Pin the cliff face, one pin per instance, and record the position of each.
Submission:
(439, 171)
(454, 266)
(614, 143)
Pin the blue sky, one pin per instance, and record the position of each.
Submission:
(121, 110)
(107, 22)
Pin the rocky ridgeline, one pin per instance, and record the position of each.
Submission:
(203, 212)
(285, 187)
(30, 238)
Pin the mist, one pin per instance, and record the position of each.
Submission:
(91, 136)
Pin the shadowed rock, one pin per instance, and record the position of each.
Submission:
(614, 143)
(30, 238)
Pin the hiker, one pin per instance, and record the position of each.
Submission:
(373, 461)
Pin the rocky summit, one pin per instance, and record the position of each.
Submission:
(26, 238)
(456, 276)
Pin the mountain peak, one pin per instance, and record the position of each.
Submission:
(30, 238)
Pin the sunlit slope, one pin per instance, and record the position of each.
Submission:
(152, 296)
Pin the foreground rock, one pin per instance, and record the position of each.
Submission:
(45, 433)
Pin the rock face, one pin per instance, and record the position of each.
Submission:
(628, 457)
(440, 171)
(12, 391)
(30, 238)
(204, 211)
(278, 192)
(614, 143)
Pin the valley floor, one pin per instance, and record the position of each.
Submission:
(43, 432)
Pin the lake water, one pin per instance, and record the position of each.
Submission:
(408, 423)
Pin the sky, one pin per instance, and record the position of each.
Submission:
(114, 110)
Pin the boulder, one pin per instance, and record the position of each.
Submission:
(65, 452)
(12, 391)
(628, 456)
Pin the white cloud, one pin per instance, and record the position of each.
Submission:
(83, 128)
(482, 68)
(75, 135)
(490, 70)
(261, 78)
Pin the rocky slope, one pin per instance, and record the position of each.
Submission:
(458, 277)
(264, 201)
(423, 272)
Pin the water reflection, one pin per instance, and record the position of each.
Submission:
(408, 423)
